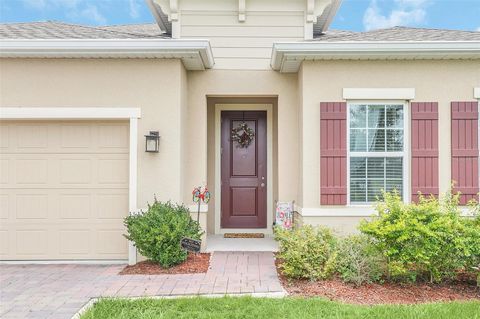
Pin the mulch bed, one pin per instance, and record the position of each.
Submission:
(193, 265)
(387, 293)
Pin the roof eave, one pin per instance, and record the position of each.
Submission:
(195, 54)
(288, 56)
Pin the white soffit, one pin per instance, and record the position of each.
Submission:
(378, 93)
(288, 56)
(195, 54)
(476, 93)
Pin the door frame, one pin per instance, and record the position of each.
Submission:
(132, 114)
(251, 104)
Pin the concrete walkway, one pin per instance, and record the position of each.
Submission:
(59, 291)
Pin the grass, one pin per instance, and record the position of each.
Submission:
(248, 307)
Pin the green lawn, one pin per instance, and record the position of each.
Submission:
(248, 307)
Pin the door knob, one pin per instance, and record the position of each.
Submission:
(262, 185)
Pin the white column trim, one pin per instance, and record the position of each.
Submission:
(132, 182)
(379, 93)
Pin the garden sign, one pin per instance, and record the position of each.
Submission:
(190, 244)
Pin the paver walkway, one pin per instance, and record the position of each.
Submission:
(59, 291)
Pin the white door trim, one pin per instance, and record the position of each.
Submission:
(219, 107)
(85, 113)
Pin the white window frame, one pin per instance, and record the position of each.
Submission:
(405, 154)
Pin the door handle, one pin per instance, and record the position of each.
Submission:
(262, 185)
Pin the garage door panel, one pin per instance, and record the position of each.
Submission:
(75, 205)
(64, 190)
(32, 206)
(75, 242)
(32, 242)
(109, 242)
(76, 171)
(112, 171)
(32, 136)
(31, 171)
(4, 243)
(113, 137)
(76, 136)
(4, 171)
(111, 205)
(4, 137)
(4, 206)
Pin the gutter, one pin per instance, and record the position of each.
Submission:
(287, 56)
(195, 54)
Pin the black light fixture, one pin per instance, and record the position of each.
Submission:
(152, 142)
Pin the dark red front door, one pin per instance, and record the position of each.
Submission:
(244, 171)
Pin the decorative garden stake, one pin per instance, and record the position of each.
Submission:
(200, 194)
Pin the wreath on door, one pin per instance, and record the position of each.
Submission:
(243, 135)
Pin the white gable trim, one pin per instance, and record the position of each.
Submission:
(378, 93)
(195, 54)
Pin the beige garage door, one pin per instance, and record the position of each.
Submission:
(64, 190)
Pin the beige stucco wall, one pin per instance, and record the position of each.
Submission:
(174, 102)
(158, 87)
(437, 81)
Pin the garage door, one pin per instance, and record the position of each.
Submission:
(64, 190)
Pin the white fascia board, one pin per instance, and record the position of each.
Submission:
(476, 93)
(378, 93)
(32, 113)
(287, 56)
(109, 48)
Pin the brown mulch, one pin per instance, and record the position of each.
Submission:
(386, 293)
(194, 264)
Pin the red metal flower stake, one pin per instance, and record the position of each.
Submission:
(200, 194)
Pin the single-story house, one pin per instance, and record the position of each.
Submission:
(259, 100)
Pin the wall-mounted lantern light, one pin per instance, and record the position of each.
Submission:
(152, 142)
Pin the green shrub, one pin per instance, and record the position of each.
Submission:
(426, 239)
(307, 252)
(158, 231)
(359, 260)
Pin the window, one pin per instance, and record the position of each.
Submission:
(376, 150)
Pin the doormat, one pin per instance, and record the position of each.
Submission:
(243, 235)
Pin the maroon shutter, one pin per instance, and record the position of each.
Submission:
(424, 149)
(333, 153)
(465, 149)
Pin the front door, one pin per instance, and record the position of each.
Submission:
(244, 169)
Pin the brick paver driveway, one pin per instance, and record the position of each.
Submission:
(59, 291)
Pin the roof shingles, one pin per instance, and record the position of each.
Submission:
(61, 30)
(400, 34)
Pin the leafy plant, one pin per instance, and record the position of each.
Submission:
(158, 231)
(359, 260)
(429, 238)
(307, 252)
